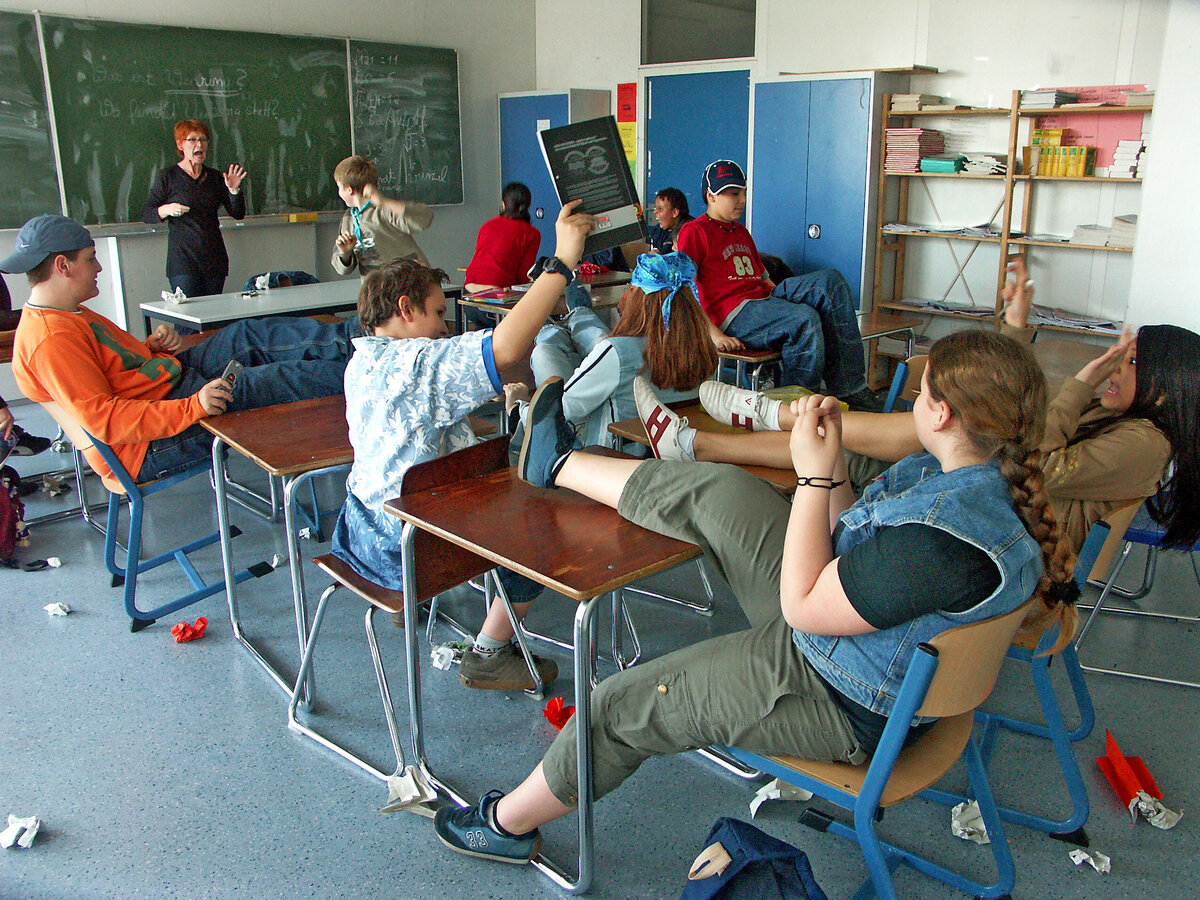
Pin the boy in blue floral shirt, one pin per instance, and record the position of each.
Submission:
(409, 390)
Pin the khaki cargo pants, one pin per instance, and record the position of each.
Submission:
(753, 689)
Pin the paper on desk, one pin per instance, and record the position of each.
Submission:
(12, 835)
(966, 821)
(777, 790)
(1093, 858)
(175, 296)
(410, 790)
(57, 609)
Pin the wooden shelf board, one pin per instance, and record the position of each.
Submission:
(1069, 245)
(951, 175)
(1091, 178)
(980, 111)
(949, 237)
(1082, 111)
(946, 313)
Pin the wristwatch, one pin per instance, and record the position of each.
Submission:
(556, 266)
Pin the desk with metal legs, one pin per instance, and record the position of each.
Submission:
(295, 442)
(570, 545)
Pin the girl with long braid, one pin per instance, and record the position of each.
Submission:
(838, 592)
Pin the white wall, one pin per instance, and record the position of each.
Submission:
(1164, 265)
(495, 45)
(983, 50)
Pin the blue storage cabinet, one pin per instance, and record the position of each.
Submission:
(813, 158)
(522, 115)
(692, 119)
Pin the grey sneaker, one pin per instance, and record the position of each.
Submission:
(734, 406)
(504, 670)
(664, 429)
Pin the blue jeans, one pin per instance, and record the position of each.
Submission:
(196, 286)
(810, 319)
(285, 359)
(561, 346)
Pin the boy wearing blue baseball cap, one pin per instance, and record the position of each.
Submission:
(810, 319)
(144, 398)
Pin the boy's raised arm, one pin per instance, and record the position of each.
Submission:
(515, 334)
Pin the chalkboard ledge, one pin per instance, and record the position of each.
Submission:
(227, 224)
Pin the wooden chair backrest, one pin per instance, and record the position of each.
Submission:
(912, 383)
(440, 562)
(72, 429)
(969, 659)
(1118, 521)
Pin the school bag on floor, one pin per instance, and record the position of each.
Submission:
(739, 862)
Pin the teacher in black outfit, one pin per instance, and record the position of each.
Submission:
(187, 197)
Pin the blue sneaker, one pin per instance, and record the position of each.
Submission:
(470, 832)
(577, 296)
(549, 437)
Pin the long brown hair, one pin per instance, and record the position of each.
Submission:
(996, 389)
(678, 358)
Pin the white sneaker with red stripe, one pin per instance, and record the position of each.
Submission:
(740, 408)
(665, 430)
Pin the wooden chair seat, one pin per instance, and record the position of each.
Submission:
(6, 345)
(341, 572)
(748, 355)
(918, 767)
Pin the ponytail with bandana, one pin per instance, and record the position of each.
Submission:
(665, 271)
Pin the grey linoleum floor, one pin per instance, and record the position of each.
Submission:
(167, 770)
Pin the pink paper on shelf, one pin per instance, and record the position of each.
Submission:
(1102, 130)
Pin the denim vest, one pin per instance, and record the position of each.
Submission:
(974, 505)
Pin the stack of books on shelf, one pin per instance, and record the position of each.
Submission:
(986, 164)
(1128, 158)
(1092, 235)
(1138, 98)
(1045, 315)
(1046, 98)
(1122, 232)
(902, 103)
(947, 165)
(907, 146)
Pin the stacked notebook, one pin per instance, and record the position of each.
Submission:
(902, 103)
(907, 146)
(1046, 98)
(986, 164)
(1092, 235)
(1128, 158)
(1123, 230)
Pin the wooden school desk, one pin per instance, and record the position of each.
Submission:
(569, 544)
(634, 430)
(603, 297)
(213, 312)
(296, 442)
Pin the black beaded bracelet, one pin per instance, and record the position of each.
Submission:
(815, 481)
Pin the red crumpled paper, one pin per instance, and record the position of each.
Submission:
(557, 714)
(185, 632)
(590, 269)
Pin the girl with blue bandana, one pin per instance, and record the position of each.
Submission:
(662, 333)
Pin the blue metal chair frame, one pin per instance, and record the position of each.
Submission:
(867, 803)
(127, 575)
(1143, 530)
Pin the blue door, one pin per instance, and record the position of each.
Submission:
(808, 190)
(521, 154)
(779, 179)
(690, 121)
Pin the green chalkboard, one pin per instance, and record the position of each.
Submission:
(406, 118)
(26, 154)
(278, 105)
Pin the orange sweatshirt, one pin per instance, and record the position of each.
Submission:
(103, 378)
